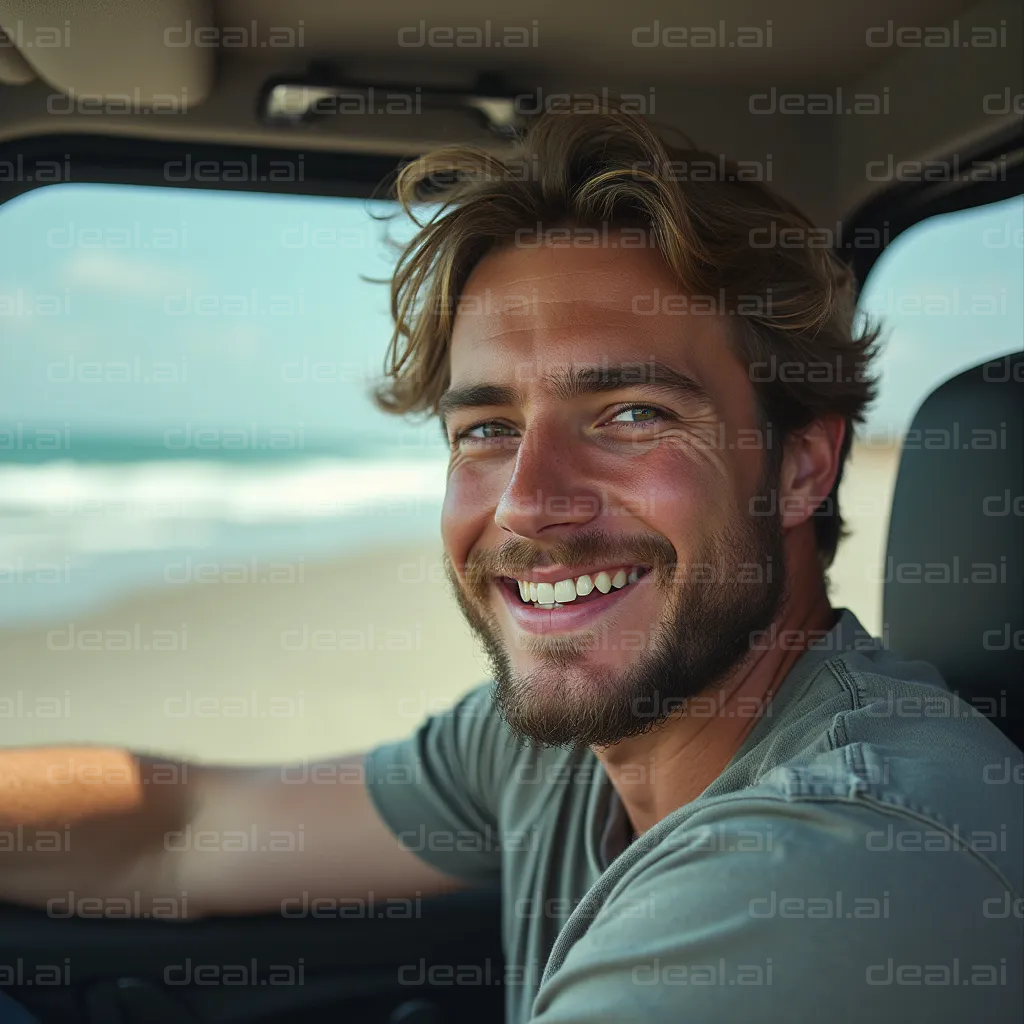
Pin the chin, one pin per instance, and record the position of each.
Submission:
(571, 675)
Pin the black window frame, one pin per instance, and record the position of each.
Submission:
(893, 211)
(127, 160)
(130, 160)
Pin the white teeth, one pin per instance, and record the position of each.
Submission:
(555, 595)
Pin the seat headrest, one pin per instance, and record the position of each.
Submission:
(954, 573)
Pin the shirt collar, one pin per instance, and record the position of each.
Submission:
(846, 635)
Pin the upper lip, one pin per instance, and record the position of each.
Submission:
(554, 573)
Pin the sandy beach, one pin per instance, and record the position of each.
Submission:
(275, 665)
(356, 652)
(865, 499)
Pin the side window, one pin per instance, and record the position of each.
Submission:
(949, 293)
(214, 545)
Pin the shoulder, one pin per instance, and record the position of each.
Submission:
(766, 908)
(874, 732)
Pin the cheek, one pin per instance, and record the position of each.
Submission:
(671, 492)
(468, 508)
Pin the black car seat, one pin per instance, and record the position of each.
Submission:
(955, 592)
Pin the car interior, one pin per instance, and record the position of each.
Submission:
(877, 118)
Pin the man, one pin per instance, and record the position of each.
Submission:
(706, 794)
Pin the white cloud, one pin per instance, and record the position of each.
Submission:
(129, 276)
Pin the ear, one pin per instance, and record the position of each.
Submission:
(810, 464)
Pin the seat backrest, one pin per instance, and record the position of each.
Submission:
(954, 573)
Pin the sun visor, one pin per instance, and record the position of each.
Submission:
(151, 52)
(13, 69)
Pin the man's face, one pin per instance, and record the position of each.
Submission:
(597, 433)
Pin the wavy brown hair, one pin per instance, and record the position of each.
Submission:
(794, 300)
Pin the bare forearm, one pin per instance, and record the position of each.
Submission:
(41, 785)
(271, 838)
(173, 840)
(87, 820)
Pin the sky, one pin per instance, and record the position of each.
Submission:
(949, 293)
(137, 310)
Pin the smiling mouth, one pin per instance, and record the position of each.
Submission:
(586, 589)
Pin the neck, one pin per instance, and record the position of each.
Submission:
(686, 754)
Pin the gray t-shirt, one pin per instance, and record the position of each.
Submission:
(860, 858)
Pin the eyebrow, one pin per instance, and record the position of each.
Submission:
(580, 381)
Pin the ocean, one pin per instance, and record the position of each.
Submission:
(127, 514)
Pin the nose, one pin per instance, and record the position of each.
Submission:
(551, 491)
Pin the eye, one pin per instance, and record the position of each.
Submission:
(639, 415)
(490, 430)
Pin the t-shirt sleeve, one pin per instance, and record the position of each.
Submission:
(439, 790)
(794, 913)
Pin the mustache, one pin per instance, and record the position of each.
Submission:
(517, 556)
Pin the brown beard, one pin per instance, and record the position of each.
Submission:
(734, 587)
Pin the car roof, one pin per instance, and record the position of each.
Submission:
(696, 65)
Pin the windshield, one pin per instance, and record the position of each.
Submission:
(215, 545)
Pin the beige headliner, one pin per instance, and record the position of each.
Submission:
(812, 40)
(935, 96)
